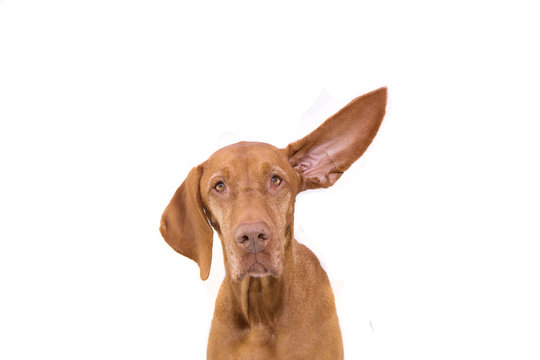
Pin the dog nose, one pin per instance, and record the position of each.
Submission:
(253, 237)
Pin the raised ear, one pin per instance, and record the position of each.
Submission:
(322, 156)
(184, 225)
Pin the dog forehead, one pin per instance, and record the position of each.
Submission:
(247, 153)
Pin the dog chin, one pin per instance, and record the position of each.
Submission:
(256, 270)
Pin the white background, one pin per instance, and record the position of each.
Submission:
(430, 240)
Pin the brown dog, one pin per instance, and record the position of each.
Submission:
(276, 301)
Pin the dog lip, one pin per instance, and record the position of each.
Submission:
(255, 266)
(258, 269)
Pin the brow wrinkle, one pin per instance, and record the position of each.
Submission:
(246, 165)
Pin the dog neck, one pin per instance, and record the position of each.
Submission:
(259, 299)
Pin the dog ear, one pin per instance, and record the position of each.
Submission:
(184, 225)
(321, 157)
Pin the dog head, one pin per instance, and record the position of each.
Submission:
(246, 191)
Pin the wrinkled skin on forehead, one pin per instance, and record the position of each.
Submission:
(246, 169)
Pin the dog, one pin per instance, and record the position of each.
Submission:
(276, 301)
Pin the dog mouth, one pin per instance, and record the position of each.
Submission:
(257, 269)
(258, 265)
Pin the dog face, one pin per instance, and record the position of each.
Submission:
(248, 192)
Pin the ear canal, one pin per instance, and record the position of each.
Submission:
(184, 225)
(322, 156)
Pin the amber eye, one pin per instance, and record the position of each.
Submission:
(275, 180)
(220, 186)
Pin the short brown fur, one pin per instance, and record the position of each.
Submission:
(276, 301)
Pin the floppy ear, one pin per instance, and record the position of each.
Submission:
(321, 157)
(184, 225)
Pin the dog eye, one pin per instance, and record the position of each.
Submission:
(219, 187)
(275, 180)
